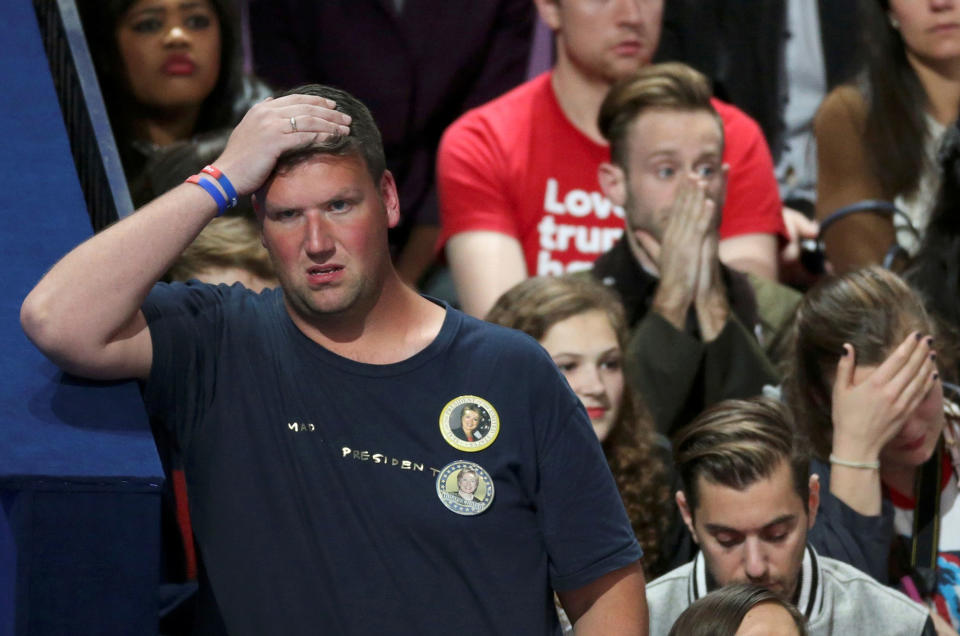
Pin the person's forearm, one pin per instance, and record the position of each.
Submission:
(751, 253)
(484, 265)
(672, 302)
(859, 488)
(712, 312)
(622, 619)
(614, 604)
(88, 298)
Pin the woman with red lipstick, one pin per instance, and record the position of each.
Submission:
(582, 326)
(864, 381)
(172, 79)
(877, 137)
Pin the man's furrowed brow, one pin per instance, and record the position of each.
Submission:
(273, 208)
(780, 520)
(663, 153)
(714, 528)
(347, 193)
(350, 193)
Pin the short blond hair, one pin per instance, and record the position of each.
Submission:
(225, 242)
(668, 86)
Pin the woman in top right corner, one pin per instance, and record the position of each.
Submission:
(877, 137)
(864, 380)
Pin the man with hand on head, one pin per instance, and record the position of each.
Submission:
(697, 327)
(749, 501)
(283, 406)
(517, 177)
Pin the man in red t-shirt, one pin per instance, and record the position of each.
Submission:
(517, 177)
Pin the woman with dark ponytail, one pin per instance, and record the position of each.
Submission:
(877, 138)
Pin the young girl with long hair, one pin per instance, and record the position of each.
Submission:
(864, 380)
(581, 324)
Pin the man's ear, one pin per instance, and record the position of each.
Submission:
(813, 503)
(613, 182)
(549, 11)
(686, 514)
(390, 198)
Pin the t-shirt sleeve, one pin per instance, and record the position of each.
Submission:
(585, 527)
(753, 203)
(471, 180)
(185, 320)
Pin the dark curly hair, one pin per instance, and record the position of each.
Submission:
(534, 306)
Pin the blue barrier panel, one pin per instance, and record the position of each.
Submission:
(79, 474)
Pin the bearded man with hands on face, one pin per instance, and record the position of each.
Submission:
(698, 328)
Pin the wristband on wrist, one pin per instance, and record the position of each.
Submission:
(864, 465)
(210, 186)
(224, 183)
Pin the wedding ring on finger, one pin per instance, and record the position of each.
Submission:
(293, 124)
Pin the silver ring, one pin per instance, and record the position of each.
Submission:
(293, 123)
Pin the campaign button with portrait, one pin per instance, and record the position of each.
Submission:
(469, 423)
(465, 488)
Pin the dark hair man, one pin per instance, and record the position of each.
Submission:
(284, 406)
(749, 502)
(667, 171)
(517, 176)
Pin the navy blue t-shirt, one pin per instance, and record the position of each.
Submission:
(313, 479)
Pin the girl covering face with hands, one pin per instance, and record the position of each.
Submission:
(865, 381)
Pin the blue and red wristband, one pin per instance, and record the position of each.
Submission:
(210, 186)
(218, 187)
(228, 188)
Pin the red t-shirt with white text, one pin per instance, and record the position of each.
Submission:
(517, 165)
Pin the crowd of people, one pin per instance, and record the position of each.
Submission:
(686, 307)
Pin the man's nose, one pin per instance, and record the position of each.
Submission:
(318, 243)
(630, 11)
(754, 560)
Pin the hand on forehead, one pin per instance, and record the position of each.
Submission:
(273, 127)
